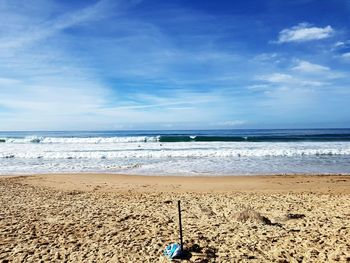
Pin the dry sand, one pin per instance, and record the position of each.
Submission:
(115, 218)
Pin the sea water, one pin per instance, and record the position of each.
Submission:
(197, 152)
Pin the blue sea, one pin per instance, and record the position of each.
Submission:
(190, 152)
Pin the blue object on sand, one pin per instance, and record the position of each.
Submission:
(172, 251)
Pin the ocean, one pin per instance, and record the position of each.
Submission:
(195, 152)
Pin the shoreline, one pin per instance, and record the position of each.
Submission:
(105, 182)
(177, 175)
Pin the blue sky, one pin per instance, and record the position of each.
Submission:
(180, 64)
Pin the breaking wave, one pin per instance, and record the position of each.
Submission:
(80, 140)
(179, 138)
(188, 153)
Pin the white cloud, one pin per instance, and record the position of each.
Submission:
(305, 66)
(231, 123)
(304, 32)
(341, 44)
(41, 85)
(35, 29)
(258, 87)
(289, 80)
(52, 78)
(44, 85)
(346, 56)
(267, 57)
(278, 78)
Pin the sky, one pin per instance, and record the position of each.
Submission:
(179, 64)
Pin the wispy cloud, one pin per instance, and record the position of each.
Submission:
(286, 79)
(264, 58)
(231, 123)
(41, 85)
(50, 86)
(37, 30)
(341, 44)
(277, 78)
(304, 32)
(305, 66)
(133, 64)
(346, 56)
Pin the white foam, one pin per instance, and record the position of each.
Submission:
(169, 157)
(170, 150)
(79, 140)
(28, 139)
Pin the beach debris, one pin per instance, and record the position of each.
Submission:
(168, 202)
(295, 216)
(173, 251)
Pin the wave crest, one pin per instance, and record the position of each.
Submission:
(80, 140)
(190, 153)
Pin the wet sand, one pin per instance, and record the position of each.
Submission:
(121, 218)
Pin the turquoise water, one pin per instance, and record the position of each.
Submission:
(196, 152)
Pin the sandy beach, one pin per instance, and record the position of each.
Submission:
(123, 218)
